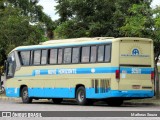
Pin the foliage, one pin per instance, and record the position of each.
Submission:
(139, 22)
(21, 23)
(84, 18)
(34, 12)
(93, 17)
(156, 32)
(70, 29)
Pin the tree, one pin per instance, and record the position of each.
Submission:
(16, 30)
(93, 18)
(85, 18)
(35, 13)
(139, 21)
(122, 10)
(156, 38)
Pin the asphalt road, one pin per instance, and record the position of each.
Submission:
(45, 105)
(70, 105)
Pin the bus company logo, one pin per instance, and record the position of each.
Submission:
(135, 52)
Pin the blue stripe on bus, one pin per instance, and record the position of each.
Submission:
(99, 70)
(70, 93)
(135, 70)
(62, 45)
(71, 71)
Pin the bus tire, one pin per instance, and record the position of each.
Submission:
(24, 95)
(114, 102)
(57, 100)
(81, 96)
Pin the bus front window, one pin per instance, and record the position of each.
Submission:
(11, 65)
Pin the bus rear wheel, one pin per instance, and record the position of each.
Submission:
(24, 95)
(81, 96)
(57, 100)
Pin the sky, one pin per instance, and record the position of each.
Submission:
(49, 7)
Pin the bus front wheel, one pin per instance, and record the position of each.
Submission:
(24, 95)
(81, 96)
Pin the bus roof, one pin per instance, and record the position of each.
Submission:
(77, 42)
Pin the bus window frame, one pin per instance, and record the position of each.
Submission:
(80, 52)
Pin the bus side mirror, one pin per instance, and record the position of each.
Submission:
(6, 65)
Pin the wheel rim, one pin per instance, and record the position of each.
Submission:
(81, 96)
(25, 95)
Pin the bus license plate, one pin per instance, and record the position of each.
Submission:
(136, 86)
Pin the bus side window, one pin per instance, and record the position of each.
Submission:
(25, 57)
(36, 58)
(67, 55)
(75, 55)
(107, 53)
(93, 54)
(53, 56)
(85, 54)
(44, 57)
(101, 53)
(60, 56)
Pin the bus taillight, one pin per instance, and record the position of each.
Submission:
(152, 75)
(117, 74)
